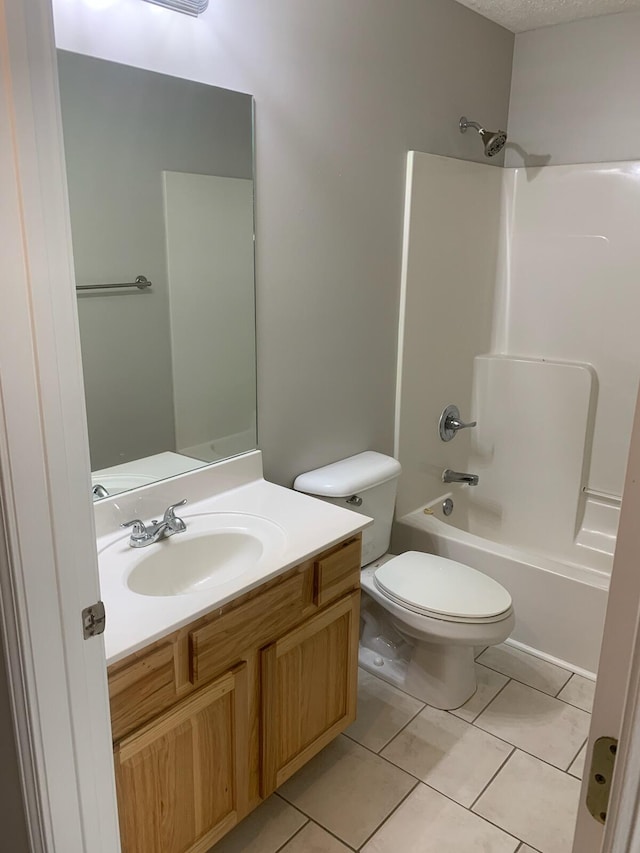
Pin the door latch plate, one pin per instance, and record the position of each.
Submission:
(94, 620)
(600, 776)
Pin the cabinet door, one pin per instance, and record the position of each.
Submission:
(309, 689)
(182, 779)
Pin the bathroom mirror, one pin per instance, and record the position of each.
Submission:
(160, 175)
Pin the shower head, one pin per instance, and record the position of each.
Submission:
(493, 140)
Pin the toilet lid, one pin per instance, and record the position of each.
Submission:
(441, 586)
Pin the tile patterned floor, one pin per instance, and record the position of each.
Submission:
(499, 775)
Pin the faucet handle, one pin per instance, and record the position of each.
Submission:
(139, 531)
(456, 424)
(169, 513)
(175, 524)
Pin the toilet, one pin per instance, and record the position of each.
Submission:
(422, 616)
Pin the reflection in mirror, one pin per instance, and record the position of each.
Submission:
(160, 175)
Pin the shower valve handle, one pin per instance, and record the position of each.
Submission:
(450, 423)
(455, 424)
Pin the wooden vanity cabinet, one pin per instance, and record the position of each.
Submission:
(210, 720)
(309, 688)
(181, 779)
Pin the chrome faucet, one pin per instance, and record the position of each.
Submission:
(99, 491)
(449, 476)
(142, 535)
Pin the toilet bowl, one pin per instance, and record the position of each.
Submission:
(422, 616)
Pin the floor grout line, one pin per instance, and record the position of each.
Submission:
(490, 702)
(502, 740)
(524, 684)
(391, 813)
(451, 800)
(393, 737)
(384, 757)
(417, 781)
(573, 705)
(468, 809)
(297, 832)
(537, 757)
(309, 819)
(509, 677)
(522, 749)
(586, 740)
(563, 686)
(498, 771)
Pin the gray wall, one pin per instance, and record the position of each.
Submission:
(574, 94)
(342, 90)
(122, 128)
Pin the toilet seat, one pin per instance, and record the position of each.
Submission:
(441, 588)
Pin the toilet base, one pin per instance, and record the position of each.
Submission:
(442, 676)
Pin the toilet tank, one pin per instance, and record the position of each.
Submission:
(366, 483)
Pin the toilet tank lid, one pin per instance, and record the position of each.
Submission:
(349, 476)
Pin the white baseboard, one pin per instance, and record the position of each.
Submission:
(551, 659)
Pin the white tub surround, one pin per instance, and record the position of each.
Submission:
(571, 293)
(550, 376)
(531, 450)
(235, 486)
(450, 264)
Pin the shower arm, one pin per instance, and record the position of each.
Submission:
(465, 124)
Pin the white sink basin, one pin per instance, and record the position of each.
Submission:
(215, 549)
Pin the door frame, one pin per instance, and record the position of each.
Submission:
(616, 711)
(48, 564)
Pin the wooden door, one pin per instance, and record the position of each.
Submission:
(309, 689)
(181, 780)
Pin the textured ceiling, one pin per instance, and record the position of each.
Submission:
(520, 15)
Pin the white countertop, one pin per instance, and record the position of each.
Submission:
(133, 620)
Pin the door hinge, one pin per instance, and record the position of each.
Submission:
(94, 620)
(600, 776)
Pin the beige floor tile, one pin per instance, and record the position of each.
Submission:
(577, 768)
(348, 790)
(427, 822)
(265, 830)
(536, 723)
(526, 668)
(534, 802)
(579, 692)
(449, 754)
(382, 712)
(526, 849)
(314, 839)
(489, 683)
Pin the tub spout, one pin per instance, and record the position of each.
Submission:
(449, 476)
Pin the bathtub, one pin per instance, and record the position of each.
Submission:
(560, 606)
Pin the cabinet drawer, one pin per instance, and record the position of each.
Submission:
(141, 688)
(219, 643)
(338, 572)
